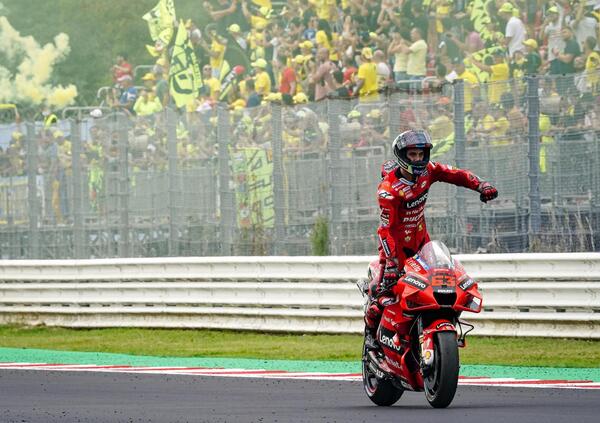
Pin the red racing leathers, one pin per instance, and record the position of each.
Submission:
(402, 230)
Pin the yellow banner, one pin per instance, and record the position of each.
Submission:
(160, 21)
(185, 78)
(253, 176)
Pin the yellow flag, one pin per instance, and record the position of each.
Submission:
(185, 79)
(160, 21)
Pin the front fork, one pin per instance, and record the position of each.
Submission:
(426, 343)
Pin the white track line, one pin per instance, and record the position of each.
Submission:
(280, 374)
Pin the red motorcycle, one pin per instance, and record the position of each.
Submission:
(420, 331)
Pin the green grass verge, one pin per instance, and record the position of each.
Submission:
(213, 343)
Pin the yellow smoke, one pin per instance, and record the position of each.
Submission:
(32, 67)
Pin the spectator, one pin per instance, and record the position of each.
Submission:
(341, 90)
(212, 86)
(236, 34)
(147, 103)
(533, 61)
(161, 86)
(565, 60)
(584, 24)
(252, 97)
(121, 68)
(400, 57)
(288, 83)
(366, 78)
(552, 31)
(416, 60)
(322, 77)
(262, 80)
(515, 29)
(471, 83)
(383, 70)
(128, 93)
(592, 65)
(499, 75)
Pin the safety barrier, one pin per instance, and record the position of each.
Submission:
(554, 295)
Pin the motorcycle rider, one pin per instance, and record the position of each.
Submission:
(402, 195)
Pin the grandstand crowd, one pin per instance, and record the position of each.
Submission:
(301, 52)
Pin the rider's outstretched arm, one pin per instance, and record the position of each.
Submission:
(462, 178)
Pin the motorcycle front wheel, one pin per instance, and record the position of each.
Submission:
(440, 384)
(380, 392)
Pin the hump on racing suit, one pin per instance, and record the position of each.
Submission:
(388, 167)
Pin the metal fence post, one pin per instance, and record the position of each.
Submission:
(533, 137)
(79, 247)
(32, 197)
(334, 111)
(278, 188)
(460, 159)
(226, 195)
(171, 122)
(123, 185)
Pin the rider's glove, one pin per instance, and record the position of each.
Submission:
(487, 191)
(390, 276)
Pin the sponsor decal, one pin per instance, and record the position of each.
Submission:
(407, 238)
(420, 227)
(413, 218)
(417, 202)
(385, 195)
(389, 342)
(384, 217)
(376, 370)
(423, 184)
(416, 282)
(390, 165)
(396, 184)
(466, 284)
(385, 246)
(413, 265)
(444, 290)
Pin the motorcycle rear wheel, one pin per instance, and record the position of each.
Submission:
(440, 385)
(380, 392)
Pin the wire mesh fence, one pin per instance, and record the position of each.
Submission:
(301, 180)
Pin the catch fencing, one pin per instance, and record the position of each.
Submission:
(550, 295)
(301, 180)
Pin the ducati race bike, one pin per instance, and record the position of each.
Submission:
(420, 331)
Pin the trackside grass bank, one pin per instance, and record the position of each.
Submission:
(211, 343)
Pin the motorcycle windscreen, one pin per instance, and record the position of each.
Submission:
(435, 255)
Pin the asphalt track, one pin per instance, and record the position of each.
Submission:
(42, 396)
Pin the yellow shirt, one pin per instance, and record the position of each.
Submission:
(148, 107)
(323, 8)
(415, 65)
(322, 40)
(442, 10)
(262, 83)
(592, 66)
(256, 21)
(368, 73)
(215, 87)
(216, 47)
(470, 82)
(498, 134)
(498, 82)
